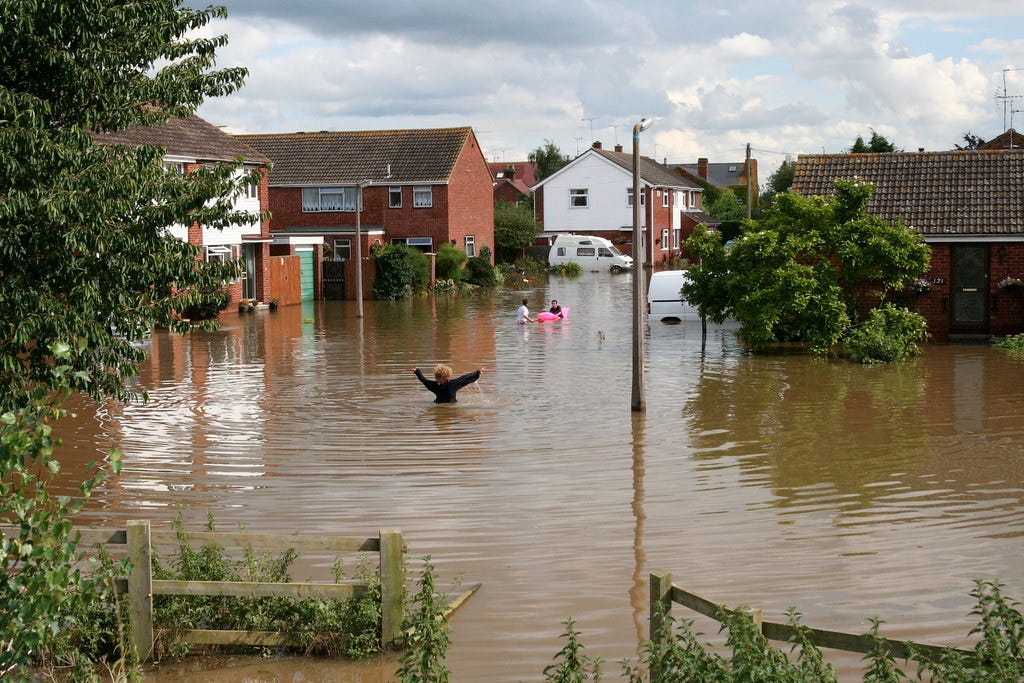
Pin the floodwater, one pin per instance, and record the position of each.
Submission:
(774, 481)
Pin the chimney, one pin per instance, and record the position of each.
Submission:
(618, 148)
(702, 167)
(597, 144)
(920, 149)
(510, 172)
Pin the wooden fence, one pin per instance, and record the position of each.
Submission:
(663, 593)
(140, 585)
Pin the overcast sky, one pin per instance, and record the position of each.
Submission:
(785, 76)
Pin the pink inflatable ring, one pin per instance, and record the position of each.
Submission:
(544, 316)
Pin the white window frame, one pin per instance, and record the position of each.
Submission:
(340, 199)
(251, 191)
(176, 167)
(664, 239)
(664, 198)
(342, 245)
(422, 196)
(579, 198)
(675, 238)
(469, 245)
(629, 197)
(392, 191)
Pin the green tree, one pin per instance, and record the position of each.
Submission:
(401, 271)
(549, 159)
(796, 273)
(88, 265)
(449, 262)
(727, 207)
(782, 179)
(514, 229)
(971, 141)
(85, 251)
(878, 143)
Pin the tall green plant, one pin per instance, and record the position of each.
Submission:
(449, 262)
(401, 272)
(428, 634)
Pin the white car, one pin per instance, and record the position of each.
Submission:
(665, 301)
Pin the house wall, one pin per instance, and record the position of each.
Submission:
(606, 184)
(471, 200)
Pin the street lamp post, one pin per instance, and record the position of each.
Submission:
(359, 247)
(637, 403)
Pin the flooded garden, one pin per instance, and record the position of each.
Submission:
(845, 491)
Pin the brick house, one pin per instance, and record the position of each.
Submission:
(423, 188)
(734, 176)
(189, 143)
(969, 208)
(513, 180)
(593, 195)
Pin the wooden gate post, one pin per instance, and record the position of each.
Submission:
(392, 585)
(661, 602)
(140, 588)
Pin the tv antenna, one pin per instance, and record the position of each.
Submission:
(1006, 97)
(591, 119)
(615, 127)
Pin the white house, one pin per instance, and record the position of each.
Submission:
(593, 195)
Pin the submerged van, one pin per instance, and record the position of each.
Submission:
(590, 251)
(665, 301)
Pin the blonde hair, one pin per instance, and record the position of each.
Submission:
(442, 373)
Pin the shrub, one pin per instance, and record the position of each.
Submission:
(1012, 343)
(570, 269)
(889, 335)
(401, 271)
(480, 272)
(429, 634)
(448, 263)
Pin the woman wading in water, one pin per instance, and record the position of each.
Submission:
(443, 385)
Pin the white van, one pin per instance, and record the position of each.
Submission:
(665, 301)
(590, 251)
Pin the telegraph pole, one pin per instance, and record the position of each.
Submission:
(747, 171)
(638, 404)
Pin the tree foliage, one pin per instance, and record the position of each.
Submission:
(85, 251)
(796, 273)
(401, 272)
(727, 207)
(449, 262)
(549, 159)
(514, 229)
(878, 143)
(971, 141)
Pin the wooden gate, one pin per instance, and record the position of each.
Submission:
(334, 280)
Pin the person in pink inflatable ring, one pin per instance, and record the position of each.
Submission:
(555, 309)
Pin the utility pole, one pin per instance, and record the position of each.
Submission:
(638, 404)
(359, 246)
(747, 171)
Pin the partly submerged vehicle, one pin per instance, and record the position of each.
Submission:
(590, 251)
(665, 300)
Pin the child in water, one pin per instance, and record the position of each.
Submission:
(443, 386)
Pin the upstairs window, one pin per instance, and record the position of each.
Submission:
(422, 196)
(395, 197)
(629, 197)
(251, 191)
(664, 198)
(328, 199)
(578, 197)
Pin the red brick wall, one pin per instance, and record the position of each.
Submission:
(470, 199)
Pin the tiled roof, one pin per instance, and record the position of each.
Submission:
(650, 170)
(188, 137)
(525, 170)
(938, 193)
(720, 174)
(348, 157)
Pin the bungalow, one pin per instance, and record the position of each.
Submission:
(969, 208)
(593, 195)
(423, 188)
(189, 143)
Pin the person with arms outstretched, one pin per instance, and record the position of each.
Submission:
(443, 385)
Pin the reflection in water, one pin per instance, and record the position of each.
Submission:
(846, 491)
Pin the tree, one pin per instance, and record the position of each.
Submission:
(782, 179)
(88, 265)
(971, 141)
(796, 273)
(548, 158)
(514, 229)
(877, 144)
(86, 255)
(727, 207)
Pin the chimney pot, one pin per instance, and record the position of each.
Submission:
(618, 148)
(597, 144)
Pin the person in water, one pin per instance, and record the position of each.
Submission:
(555, 309)
(523, 313)
(443, 385)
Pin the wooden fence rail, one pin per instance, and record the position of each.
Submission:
(663, 593)
(139, 539)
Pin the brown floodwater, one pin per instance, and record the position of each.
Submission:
(774, 481)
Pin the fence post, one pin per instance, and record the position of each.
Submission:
(392, 585)
(661, 602)
(140, 588)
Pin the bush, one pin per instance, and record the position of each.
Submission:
(571, 269)
(889, 335)
(401, 272)
(480, 272)
(214, 301)
(448, 263)
(1012, 343)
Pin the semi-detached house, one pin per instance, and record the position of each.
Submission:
(423, 188)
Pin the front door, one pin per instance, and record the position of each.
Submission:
(969, 288)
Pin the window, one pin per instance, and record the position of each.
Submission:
(251, 191)
(219, 252)
(664, 198)
(329, 199)
(469, 244)
(585, 251)
(395, 197)
(342, 250)
(176, 167)
(675, 238)
(603, 251)
(629, 197)
(578, 197)
(664, 239)
(422, 196)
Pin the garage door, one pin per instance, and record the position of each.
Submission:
(306, 269)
